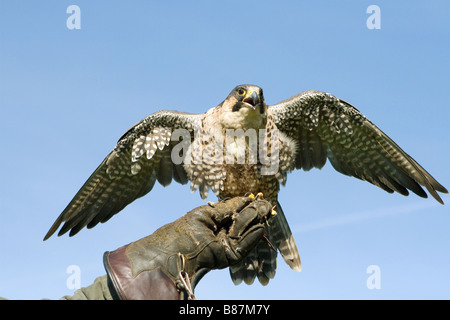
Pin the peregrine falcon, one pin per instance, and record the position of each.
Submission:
(241, 146)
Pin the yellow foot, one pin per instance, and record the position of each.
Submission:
(250, 195)
(273, 212)
(259, 196)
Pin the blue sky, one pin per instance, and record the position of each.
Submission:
(66, 96)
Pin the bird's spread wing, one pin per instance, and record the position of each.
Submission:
(324, 126)
(141, 157)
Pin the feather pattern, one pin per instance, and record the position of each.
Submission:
(327, 127)
(126, 174)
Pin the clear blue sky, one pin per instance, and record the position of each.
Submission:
(66, 96)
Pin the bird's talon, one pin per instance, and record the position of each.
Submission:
(259, 196)
(273, 212)
(211, 204)
(251, 195)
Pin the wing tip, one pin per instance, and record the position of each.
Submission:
(437, 197)
(47, 236)
(52, 229)
(434, 187)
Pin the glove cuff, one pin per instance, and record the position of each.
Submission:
(147, 285)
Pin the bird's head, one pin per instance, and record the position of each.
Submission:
(244, 108)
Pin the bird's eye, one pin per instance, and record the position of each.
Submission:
(241, 91)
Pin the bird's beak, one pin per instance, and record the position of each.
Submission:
(252, 98)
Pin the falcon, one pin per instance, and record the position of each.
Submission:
(245, 146)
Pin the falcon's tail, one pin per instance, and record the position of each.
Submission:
(261, 262)
(284, 240)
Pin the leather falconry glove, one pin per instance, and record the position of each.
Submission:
(169, 263)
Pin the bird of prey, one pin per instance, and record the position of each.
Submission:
(301, 132)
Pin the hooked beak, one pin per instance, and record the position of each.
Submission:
(252, 99)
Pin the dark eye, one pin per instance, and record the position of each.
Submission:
(241, 91)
